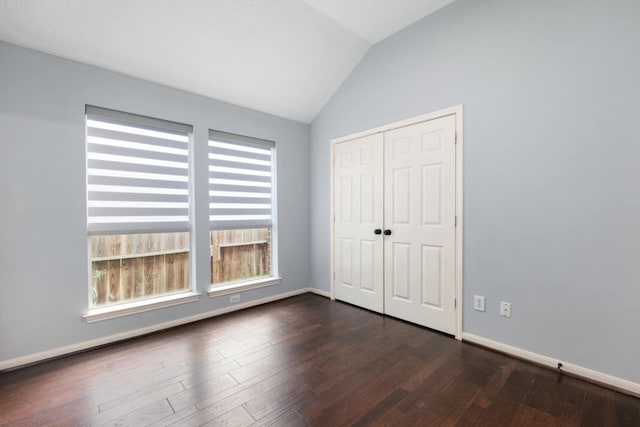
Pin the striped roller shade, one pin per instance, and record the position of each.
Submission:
(240, 181)
(137, 173)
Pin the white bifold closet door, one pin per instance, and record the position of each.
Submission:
(401, 184)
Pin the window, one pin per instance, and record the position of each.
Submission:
(241, 201)
(137, 207)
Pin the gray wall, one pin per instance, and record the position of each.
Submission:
(43, 266)
(551, 95)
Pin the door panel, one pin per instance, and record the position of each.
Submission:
(346, 198)
(358, 253)
(367, 265)
(401, 265)
(367, 198)
(420, 212)
(432, 190)
(346, 266)
(432, 276)
(401, 196)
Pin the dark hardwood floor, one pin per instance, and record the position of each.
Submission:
(302, 361)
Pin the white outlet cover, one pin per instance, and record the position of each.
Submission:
(478, 303)
(505, 309)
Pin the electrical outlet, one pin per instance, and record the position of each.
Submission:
(235, 298)
(478, 303)
(505, 309)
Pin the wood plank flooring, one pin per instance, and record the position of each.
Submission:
(302, 361)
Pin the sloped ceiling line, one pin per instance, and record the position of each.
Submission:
(282, 57)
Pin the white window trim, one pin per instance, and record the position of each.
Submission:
(100, 313)
(140, 306)
(226, 288)
(244, 285)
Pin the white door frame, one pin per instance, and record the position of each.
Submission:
(457, 112)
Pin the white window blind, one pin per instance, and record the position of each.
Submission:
(240, 181)
(137, 173)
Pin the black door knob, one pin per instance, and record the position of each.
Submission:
(377, 231)
(387, 232)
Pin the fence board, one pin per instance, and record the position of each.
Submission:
(127, 275)
(148, 275)
(99, 280)
(114, 281)
(182, 270)
(169, 265)
(138, 277)
(159, 284)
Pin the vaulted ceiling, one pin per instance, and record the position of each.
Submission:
(282, 57)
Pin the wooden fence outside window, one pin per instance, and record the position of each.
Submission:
(128, 267)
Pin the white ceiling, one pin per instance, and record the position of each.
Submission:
(283, 57)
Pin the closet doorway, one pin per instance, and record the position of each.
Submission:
(396, 220)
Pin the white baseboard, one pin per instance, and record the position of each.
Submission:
(74, 348)
(568, 368)
(319, 292)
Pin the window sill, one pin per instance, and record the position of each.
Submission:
(245, 285)
(125, 309)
